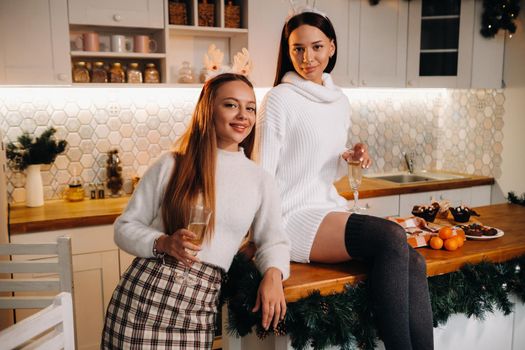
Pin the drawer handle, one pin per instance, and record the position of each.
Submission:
(367, 206)
(117, 18)
(62, 77)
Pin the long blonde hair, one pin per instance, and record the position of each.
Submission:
(195, 158)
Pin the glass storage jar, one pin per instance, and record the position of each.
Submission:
(116, 73)
(80, 72)
(151, 74)
(134, 74)
(98, 73)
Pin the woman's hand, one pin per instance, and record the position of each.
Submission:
(360, 152)
(270, 297)
(177, 246)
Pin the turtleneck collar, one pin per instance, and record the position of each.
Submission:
(326, 93)
(224, 153)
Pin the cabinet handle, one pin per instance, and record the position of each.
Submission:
(440, 197)
(62, 77)
(352, 82)
(363, 83)
(367, 206)
(410, 83)
(117, 18)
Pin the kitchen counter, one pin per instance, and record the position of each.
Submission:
(60, 214)
(329, 278)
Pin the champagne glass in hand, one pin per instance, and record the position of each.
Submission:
(355, 175)
(199, 219)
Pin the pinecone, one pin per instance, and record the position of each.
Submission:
(261, 333)
(324, 307)
(280, 330)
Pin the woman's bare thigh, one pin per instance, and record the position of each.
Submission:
(329, 243)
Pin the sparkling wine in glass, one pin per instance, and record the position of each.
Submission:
(199, 219)
(355, 176)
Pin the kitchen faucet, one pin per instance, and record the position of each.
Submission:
(410, 162)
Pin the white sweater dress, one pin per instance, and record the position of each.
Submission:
(303, 129)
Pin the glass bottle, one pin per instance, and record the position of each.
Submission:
(116, 73)
(98, 73)
(134, 74)
(80, 72)
(151, 74)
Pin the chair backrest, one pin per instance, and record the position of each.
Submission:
(50, 328)
(62, 267)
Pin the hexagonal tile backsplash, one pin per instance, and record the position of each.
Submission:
(457, 130)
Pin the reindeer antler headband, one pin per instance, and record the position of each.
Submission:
(297, 7)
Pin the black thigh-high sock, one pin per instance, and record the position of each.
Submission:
(383, 244)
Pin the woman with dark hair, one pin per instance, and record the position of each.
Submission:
(167, 299)
(304, 123)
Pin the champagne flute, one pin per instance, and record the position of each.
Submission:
(199, 219)
(355, 176)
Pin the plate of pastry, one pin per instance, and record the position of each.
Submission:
(480, 232)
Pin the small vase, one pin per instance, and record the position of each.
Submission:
(34, 187)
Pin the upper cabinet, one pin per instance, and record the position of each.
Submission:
(34, 46)
(377, 50)
(121, 13)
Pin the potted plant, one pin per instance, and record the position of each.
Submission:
(30, 153)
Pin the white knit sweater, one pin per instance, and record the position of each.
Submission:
(245, 195)
(303, 128)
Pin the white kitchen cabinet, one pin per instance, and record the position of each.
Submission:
(440, 41)
(487, 56)
(95, 276)
(379, 206)
(119, 13)
(34, 45)
(377, 46)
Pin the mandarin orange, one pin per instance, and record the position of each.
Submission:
(451, 244)
(445, 232)
(436, 242)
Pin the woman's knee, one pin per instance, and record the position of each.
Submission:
(390, 236)
(418, 264)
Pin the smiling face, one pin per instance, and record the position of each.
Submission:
(310, 51)
(233, 114)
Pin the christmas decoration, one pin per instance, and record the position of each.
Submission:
(499, 14)
(345, 319)
(513, 198)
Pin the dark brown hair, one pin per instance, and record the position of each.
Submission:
(195, 158)
(284, 63)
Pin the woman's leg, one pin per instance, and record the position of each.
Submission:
(392, 278)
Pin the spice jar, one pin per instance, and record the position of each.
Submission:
(116, 73)
(98, 73)
(151, 74)
(80, 72)
(134, 74)
(75, 190)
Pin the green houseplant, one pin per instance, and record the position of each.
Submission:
(28, 150)
(30, 153)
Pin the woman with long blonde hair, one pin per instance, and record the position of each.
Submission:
(168, 296)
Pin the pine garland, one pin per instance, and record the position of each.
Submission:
(345, 319)
(513, 198)
(499, 14)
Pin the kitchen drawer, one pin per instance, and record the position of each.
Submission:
(117, 13)
(379, 206)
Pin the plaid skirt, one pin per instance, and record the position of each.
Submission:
(154, 308)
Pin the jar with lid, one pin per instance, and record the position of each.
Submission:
(116, 73)
(186, 73)
(80, 72)
(98, 73)
(134, 74)
(75, 190)
(151, 74)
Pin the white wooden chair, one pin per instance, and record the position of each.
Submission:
(50, 328)
(62, 267)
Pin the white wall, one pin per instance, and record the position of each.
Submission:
(513, 164)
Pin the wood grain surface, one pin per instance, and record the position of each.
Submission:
(332, 278)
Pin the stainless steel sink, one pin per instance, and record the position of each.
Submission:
(407, 178)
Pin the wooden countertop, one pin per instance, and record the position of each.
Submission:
(60, 214)
(329, 278)
(372, 187)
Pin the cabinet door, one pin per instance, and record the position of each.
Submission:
(440, 43)
(481, 195)
(407, 201)
(380, 206)
(34, 43)
(382, 43)
(487, 56)
(119, 13)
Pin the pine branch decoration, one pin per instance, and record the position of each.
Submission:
(40, 150)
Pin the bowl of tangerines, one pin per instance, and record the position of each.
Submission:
(448, 238)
